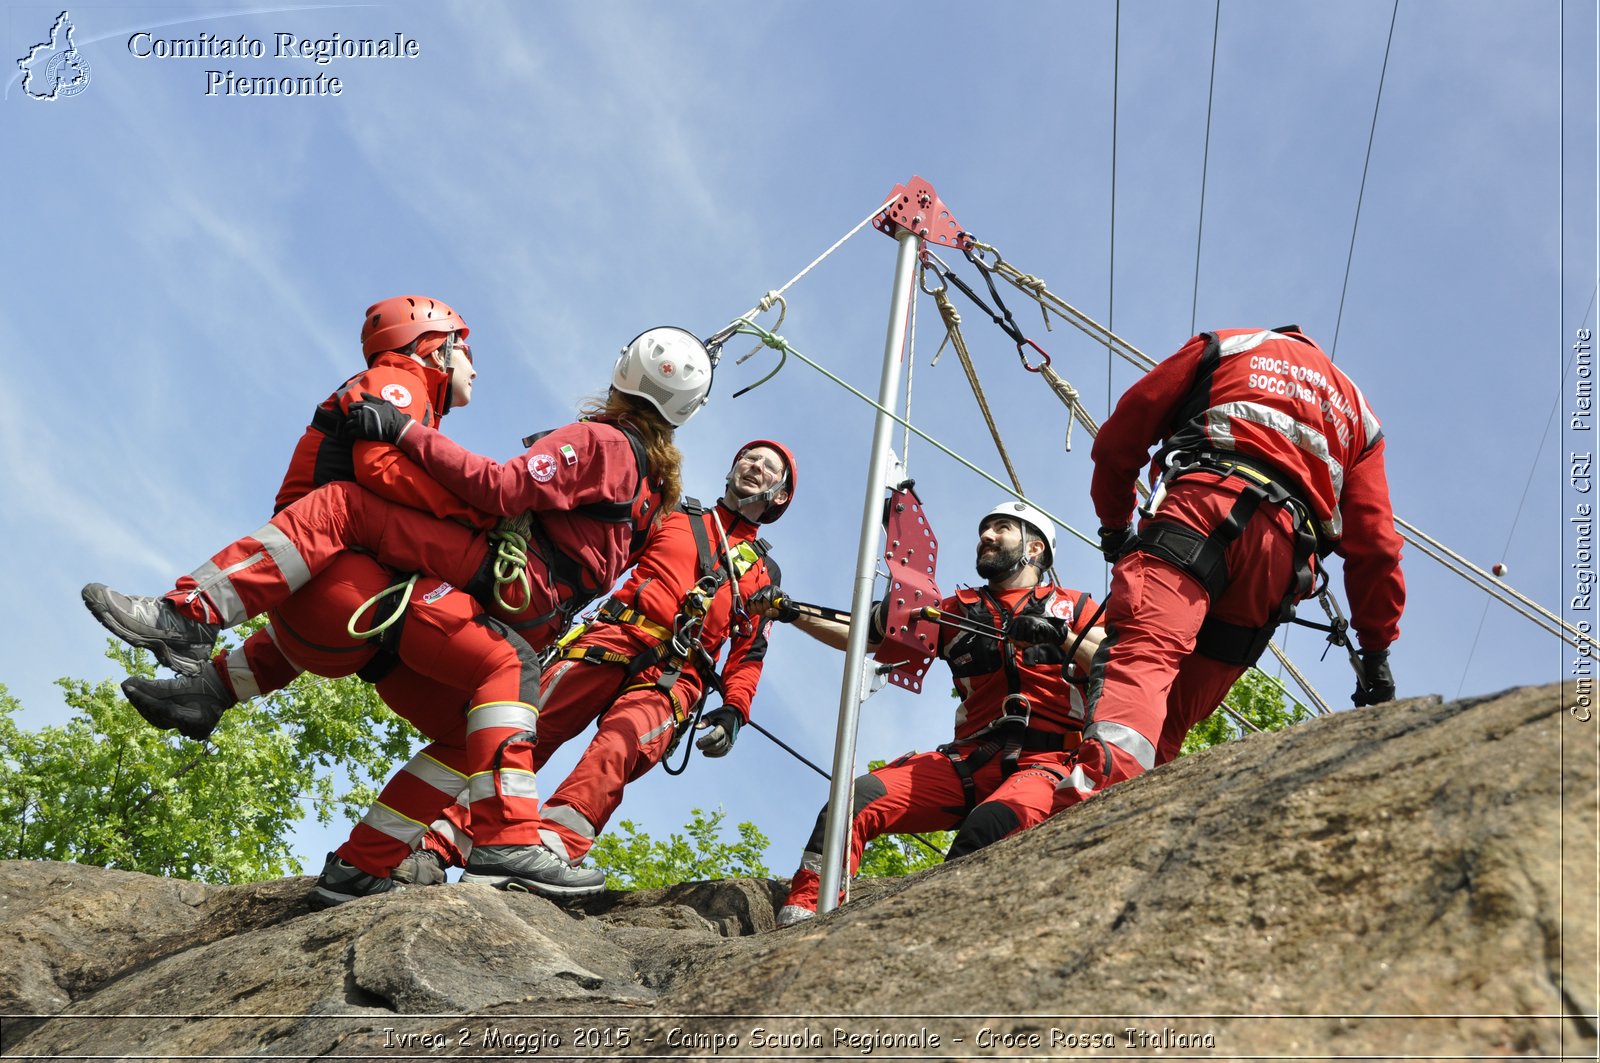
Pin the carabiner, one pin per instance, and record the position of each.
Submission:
(1042, 353)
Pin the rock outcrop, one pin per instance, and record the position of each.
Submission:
(1412, 879)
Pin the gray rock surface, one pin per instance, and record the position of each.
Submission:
(1412, 879)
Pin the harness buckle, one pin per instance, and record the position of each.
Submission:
(1008, 716)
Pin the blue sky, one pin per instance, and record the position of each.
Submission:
(188, 274)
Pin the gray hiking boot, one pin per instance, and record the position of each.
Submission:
(188, 704)
(792, 914)
(531, 869)
(340, 882)
(422, 868)
(181, 644)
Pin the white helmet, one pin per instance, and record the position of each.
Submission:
(1041, 525)
(669, 368)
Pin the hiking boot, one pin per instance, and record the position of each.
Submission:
(341, 881)
(188, 704)
(421, 868)
(531, 869)
(791, 914)
(153, 624)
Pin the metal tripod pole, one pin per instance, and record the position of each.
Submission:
(837, 830)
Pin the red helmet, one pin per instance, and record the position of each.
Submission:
(774, 510)
(391, 324)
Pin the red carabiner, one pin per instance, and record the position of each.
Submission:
(1042, 353)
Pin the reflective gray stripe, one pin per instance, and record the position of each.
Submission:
(385, 820)
(517, 714)
(1302, 436)
(552, 841)
(480, 787)
(651, 735)
(811, 862)
(1079, 780)
(516, 783)
(1124, 738)
(215, 583)
(1369, 424)
(548, 689)
(569, 818)
(441, 777)
(1247, 342)
(240, 677)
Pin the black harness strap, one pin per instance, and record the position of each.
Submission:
(1205, 556)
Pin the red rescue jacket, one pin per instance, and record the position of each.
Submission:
(986, 671)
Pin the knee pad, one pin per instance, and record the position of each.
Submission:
(987, 824)
(868, 789)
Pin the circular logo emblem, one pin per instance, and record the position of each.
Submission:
(67, 73)
(542, 467)
(667, 369)
(397, 394)
(1061, 609)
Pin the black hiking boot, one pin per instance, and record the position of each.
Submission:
(188, 704)
(341, 882)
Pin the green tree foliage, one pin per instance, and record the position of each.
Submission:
(108, 789)
(638, 862)
(892, 855)
(1257, 698)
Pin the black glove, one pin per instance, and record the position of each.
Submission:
(1377, 682)
(1114, 542)
(1037, 630)
(772, 603)
(376, 420)
(721, 728)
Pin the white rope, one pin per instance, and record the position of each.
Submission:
(766, 300)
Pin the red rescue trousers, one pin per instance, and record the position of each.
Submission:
(470, 684)
(259, 571)
(1148, 686)
(922, 792)
(636, 725)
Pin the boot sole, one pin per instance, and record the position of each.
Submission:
(513, 884)
(100, 608)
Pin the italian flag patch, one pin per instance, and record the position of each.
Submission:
(570, 455)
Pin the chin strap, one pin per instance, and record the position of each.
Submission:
(764, 497)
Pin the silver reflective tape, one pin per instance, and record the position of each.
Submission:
(514, 783)
(650, 736)
(1079, 780)
(569, 818)
(441, 777)
(1240, 344)
(385, 820)
(552, 841)
(240, 677)
(515, 714)
(1124, 738)
(284, 554)
(480, 787)
(811, 862)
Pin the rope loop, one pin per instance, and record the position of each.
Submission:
(405, 599)
(510, 566)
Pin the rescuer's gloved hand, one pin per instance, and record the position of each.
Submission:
(1036, 631)
(375, 419)
(772, 603)
(1377, 682)
(721, 727)
(1114, 542)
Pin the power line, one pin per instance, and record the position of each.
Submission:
(1371, 135)
(1205, 166)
